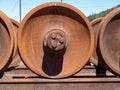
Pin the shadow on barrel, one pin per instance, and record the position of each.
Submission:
(100, 69)
(52, 62)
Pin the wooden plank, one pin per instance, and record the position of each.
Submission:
(25, 72)
(66, 80)
(62, 86)
(22, 78)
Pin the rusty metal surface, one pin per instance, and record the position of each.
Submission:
(22, 78)
(86, 75)
(23, 72)
(6, 41)
(45, 41)
(15, 57)
(61, 86)
(65, 60)
(69, 80)
(109, 41)
(95, 24)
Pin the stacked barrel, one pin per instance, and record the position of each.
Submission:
(108, 42)
(8, 42)
(56, 40)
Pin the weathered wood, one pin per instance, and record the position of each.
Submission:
(88, 71)
(21, 78)
(61, 86)
(68, 80)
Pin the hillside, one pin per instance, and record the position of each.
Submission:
(101, 14)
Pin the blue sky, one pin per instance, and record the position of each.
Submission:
(88, 7)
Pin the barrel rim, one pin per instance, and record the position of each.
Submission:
(9, 25)
(103, 25)
(54, 4)
(93, 22)
(96, 20)
(15, 61)
(14, 21)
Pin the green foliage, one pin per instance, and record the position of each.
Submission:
(101, 14)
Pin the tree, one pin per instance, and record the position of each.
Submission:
(101, 14)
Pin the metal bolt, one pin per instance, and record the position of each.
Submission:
(56, 40)
(53, 36)
(61, 40)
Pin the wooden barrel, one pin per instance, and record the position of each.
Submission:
(55, 40)
(109, 41)
(95, 24)
(15, 57)
(6, 41)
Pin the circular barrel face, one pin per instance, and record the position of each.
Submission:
(95, 24)
(6, 41)
(55, 40)
(15, 57)
(109, 41)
